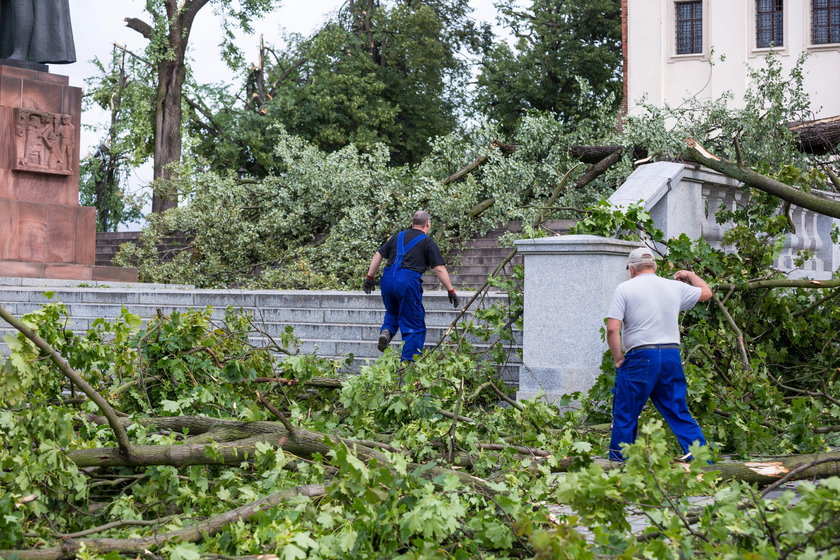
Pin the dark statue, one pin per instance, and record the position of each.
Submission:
(36, 32)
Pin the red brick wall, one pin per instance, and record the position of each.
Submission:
(624, 8)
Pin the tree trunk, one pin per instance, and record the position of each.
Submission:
(167, 130)
(767, 472)
(171, 72)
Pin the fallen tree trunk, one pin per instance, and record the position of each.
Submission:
(303, 443)
(810, 466)
(193, 533)
(783, 283)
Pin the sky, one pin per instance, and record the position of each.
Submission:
(98, 24)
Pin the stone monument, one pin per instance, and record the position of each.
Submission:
(44, 232)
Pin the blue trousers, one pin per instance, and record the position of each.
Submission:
(402, 294)
(656, 374)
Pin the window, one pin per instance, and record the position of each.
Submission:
(825, 21)
(690, 27)
(769, 23)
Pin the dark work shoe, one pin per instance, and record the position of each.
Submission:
(384, 340)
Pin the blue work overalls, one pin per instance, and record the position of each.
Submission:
(656, 374)
(402, 294)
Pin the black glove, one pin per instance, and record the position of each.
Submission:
(369, 284)
(453, 298)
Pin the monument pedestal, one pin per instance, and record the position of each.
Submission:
(44, 232)
(569, 282)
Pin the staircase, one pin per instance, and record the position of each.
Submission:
(330, 324)
(470, 266)
(108, 244)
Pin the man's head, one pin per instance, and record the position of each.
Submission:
(421, 220)
(641, 260)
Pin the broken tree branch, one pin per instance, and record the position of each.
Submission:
(76, 379)
(745, 360)
(193, 533)
(783, 283)
(750, 178)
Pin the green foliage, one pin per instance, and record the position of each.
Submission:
(756, 134)
(378, 73)
(316, 223)
(558, 45)
(123, 89)
(191, 364)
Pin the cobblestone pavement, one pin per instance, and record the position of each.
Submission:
(639, 522)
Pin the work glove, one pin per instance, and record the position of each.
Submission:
(453, 298)
(369, 284)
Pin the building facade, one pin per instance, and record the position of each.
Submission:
(679, 49)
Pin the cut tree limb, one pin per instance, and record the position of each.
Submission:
(306, 443)
(817, 137)
(193, 533)
(750, 178)
(815, 465)
(782, 283)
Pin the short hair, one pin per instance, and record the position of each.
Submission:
(420, 218)
(643, 266)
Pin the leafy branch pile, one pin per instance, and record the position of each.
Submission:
(228, 452)
(316, 222)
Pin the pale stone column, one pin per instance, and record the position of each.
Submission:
(569, 281)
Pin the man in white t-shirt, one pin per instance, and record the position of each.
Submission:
(647, 307)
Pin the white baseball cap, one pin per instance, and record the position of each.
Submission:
(640, 255)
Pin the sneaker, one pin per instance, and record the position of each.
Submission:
(384, 340)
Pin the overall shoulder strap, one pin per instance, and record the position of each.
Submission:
(415, 241)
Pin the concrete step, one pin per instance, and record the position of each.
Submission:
(487, 260)
(494, 252)
(331, 324)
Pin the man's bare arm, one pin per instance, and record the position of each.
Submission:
(694, 280)
(374, 264)
(614, 340)
(443, 276)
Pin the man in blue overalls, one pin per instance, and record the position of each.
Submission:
(409, 253)
(648, 307)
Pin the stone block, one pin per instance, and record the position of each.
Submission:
(68, 271)
(43, 188)
(114, 273)
(7, 178)
(17, 72)
(569, 282)
(42, 95)
(8, 230)
(33, 231)
(85, 236)
(61, 234)
(11, 90)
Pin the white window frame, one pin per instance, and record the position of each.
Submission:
(671, 19)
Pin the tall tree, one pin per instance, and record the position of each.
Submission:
(168, 36)
(378, 72)
(122, 89)
(557, 42)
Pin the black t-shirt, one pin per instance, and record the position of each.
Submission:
(425, 254)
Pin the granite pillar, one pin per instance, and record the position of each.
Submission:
(569, 281)
(44, 232)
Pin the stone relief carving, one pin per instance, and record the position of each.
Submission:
(44, 142)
